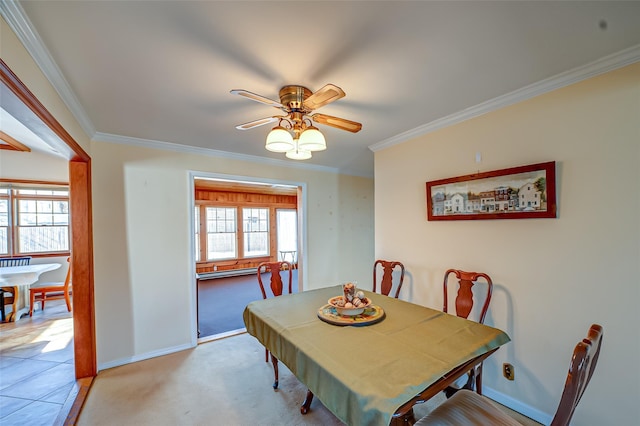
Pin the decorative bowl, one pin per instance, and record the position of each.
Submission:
(348, 311)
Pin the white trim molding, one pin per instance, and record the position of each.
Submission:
(143, 357)
(519, 406)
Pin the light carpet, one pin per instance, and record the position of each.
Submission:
(222, 382)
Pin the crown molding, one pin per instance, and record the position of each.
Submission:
(185, 149)
(600, 66)
(14, 14)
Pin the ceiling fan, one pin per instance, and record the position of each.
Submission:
(298, 103)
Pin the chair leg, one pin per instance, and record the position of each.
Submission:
(2, 305)
(479, 379)
(304, 409)
(32, 301)
(68, 300)
(274, 361)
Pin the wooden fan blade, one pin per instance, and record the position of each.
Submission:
(325, 95)
(257, 123)
(257, 98)
(340, 123)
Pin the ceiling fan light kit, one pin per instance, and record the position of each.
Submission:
(297, 153)
(312, 140)
(279, 140)
(298, 102)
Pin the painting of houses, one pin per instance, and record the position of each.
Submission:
(515, 192)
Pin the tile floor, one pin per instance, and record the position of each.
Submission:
(36, 366)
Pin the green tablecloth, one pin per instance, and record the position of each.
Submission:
(363, 374)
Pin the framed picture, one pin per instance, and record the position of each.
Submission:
(515, 193)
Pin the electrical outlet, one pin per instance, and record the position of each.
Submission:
(507, 371)
(215, 268)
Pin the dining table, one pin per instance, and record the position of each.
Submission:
(18, 279)
(373, 368)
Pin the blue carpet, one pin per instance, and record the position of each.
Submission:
(221, 301)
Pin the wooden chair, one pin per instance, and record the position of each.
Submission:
(277, 288)
(41, 292)
(6, 293)
(387, 281)
(15, 261)
(469, 408)
(463, 307)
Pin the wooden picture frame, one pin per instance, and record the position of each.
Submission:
(516, 193)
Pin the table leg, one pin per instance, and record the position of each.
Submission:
(304, 409)
(20, 304)
(22, 301)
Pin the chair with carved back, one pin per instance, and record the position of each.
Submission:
(469, 408)
(463, 307)
(392, 276)
(277, 287)
(42, 292)
(6, 293)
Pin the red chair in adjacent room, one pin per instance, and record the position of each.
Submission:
(42, 292)
(463, 307)
(277, 287)
(392, 276)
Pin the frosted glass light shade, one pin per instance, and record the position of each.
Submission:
(312, 140)
(297, 153)
(279, 140)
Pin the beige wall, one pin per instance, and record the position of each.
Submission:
(553, 277)
(144, 274)
(33, 166)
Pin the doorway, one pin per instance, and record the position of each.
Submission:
(226, 276)
(22, 104)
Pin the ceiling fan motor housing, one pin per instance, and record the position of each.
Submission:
(298, 102)
(292, 97)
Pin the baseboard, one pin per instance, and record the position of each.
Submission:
(142, 357)
(224, 274)
(516, 405)
(222, 335)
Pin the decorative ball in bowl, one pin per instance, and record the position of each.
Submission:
(349, 308)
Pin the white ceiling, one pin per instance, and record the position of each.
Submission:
(160, 72)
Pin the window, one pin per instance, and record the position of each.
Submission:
(221, 233)
(4, 221)
(34, 220)
(255, 226)
(196, 226)
(287, 234)
(237, 227)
